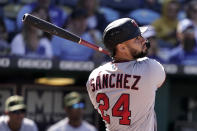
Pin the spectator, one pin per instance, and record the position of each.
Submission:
(31, 43)
(96, 20)
(186, 52)
(56, 14)
(191, 14)
(155, 51)
(74, 106)
(4, 45)
(14, 118)
(166, 25)
(68, 50)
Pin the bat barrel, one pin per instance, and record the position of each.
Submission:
(50, 28)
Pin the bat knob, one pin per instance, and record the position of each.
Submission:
(100, 49)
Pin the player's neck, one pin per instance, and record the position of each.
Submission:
(119, 60)
(122, 58)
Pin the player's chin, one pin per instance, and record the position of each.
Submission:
(145, 50)
(146, 46)
(145, 53)
(141, 55)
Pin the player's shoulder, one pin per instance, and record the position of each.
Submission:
(145, 59)
(155, 67)
(149, 61)
(105, 66)
(88, 126)
(59, 125)
(150, 65)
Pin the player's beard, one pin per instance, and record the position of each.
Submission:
(140, 54)
(136, 54)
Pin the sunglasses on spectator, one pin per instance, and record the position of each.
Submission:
(22, 111)
(80, 105)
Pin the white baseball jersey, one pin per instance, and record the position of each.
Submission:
(124, 93)
(27, 124)
(63, 125)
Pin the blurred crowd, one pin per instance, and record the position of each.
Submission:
(172, 28)
(14, 117)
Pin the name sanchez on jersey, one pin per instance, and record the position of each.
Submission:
(103, 81)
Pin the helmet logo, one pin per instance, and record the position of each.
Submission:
(134, 23)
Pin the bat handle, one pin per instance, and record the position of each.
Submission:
(100, 49)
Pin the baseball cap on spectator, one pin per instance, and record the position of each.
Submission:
(74, 100)
(15, 103)
(183, 25)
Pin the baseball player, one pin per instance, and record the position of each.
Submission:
(123, 90)
(14, 118)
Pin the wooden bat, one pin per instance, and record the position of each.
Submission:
(58, 31)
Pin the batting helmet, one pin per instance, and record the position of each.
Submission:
(119, 31)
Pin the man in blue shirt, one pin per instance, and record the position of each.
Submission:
(186, 52)
(68, 50)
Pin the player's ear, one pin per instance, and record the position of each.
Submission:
(121, 47)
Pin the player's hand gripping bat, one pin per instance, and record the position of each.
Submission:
(55, 30)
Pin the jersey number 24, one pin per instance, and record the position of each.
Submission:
(120, 108)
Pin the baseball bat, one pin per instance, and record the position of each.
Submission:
(58, 31)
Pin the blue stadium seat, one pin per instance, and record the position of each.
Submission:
(123, 5)
(110, 14)
(30, 1)
(54, 1)
(144, 16)
(10, 25)
(70, 3)
(26, 1)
